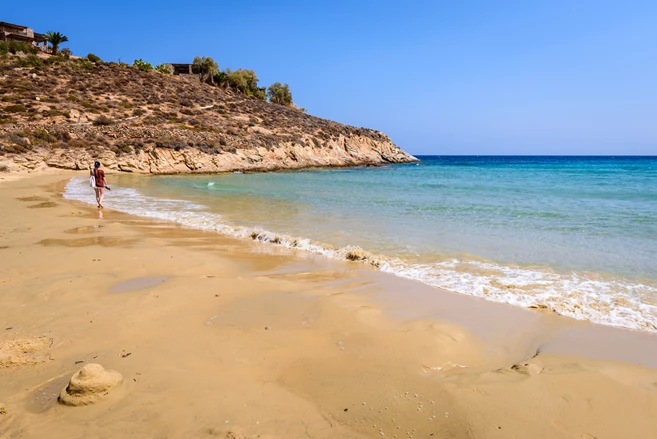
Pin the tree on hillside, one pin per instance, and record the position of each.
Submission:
(245, 81)
(280, 94)
(206, 68)
(55, 38)
(260, 93)
(221, 79)
(164, 68)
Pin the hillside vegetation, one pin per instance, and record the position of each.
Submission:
(64, 111)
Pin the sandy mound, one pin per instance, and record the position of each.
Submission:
(89, 384)
(20, 352)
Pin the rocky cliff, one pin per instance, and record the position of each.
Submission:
(68, 113)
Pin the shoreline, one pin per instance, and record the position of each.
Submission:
(616, 309)
(278, 342)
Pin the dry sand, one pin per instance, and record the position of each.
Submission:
(220, 338)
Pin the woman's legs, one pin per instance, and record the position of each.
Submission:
(99, 195)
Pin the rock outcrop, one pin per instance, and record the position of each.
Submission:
(151, 158)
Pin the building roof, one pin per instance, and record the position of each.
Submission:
(19, 35)
(15, 26)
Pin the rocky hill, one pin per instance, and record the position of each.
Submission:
(67, 113)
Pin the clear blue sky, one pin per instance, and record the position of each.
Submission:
(443, 77)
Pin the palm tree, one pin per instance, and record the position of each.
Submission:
(55, 38)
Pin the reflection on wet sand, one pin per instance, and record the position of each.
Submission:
(84, 229)
(104, 241)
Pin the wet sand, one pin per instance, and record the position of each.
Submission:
(222, 338)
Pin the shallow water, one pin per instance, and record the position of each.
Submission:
(140, 283)
(574, 234)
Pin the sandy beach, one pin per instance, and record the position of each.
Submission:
(216, 337)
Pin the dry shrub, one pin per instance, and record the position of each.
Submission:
(171, 143)
(79, 143)
(103, 121)
(15, 108)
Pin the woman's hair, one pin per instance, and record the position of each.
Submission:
(97, 165)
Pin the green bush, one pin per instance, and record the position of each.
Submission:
(86, 64)
(81, 64)
(55, 59)
(6, 120)
(94, 58)
(16, 109)
(14, 47)
(66, 52)
(30, 61)
(164, 68)
(142, 65)
(42, 136)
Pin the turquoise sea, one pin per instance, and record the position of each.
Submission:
(574, 234)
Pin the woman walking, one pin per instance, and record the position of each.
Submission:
(100, 183)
